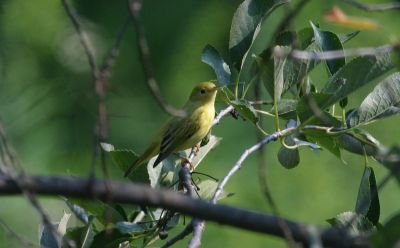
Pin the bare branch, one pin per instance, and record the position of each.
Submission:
(243, 157)
(280, 52)
(262, 177)
(82, 36)
(13, 167)
(221, 114)
(374, 7)
(141, 194)
(24, 241)
(135, 6)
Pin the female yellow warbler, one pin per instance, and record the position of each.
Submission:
(181, 133)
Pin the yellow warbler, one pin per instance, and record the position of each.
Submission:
(180, 133)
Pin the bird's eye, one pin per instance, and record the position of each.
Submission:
(202, 91)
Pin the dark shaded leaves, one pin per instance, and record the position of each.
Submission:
(211, 56)
(368, 199)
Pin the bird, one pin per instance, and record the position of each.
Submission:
(181, 133)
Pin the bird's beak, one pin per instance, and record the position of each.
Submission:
(214, 89)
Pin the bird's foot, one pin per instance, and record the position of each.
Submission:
(197, 148)
(185, 160)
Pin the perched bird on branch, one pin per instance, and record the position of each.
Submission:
(181, 133)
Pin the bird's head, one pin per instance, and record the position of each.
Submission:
(204, 92)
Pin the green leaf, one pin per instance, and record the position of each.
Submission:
(358, 143)
(102, 211)
(355, 223)
(244, 23)
(110, 238)
(124, 158)
(289, 158)
(285, 72)
(79, 212)
(225, 95)
(354, 75)
(132, 228)
(83, 236)
(245, 110)
(326, 141)
(166, 173)
(382, 102)
(311, 104)
(211, 56)
(368, 199)
(301, 39)
(328, 41)
(47, 238)
(207, 189)
(262, 39)
(388, 235)
(347, 37)
(286, 108)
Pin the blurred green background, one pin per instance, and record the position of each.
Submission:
(48, 107)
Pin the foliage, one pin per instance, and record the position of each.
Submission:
(260, 56)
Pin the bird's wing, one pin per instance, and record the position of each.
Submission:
(176, 134)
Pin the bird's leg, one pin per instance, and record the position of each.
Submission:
(185, 160)
(197, 148)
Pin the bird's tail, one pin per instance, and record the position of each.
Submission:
(147, 155)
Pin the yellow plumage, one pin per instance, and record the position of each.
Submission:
(181, 133)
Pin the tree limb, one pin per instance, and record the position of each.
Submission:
(144, 195)
(135, 6)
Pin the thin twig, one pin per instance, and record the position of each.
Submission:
(374, 7)
(135, 7)
(13, 168)
(262, 178)
(280, 52)
(243, 157)
(73, 16)
(23, 240)
(221, 114)
(196, 226)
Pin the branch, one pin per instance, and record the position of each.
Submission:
(246, 153)
(73, 16)
(143, 195)
(280, 52)
(221, 114)
(196, 226)
(12, 167)
(24, 241)
(374, 7)
(135, 6)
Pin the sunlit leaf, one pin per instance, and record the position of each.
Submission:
(355, 223)
(47, 238)
(207, 189)
(79, 212)
(382, 102)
